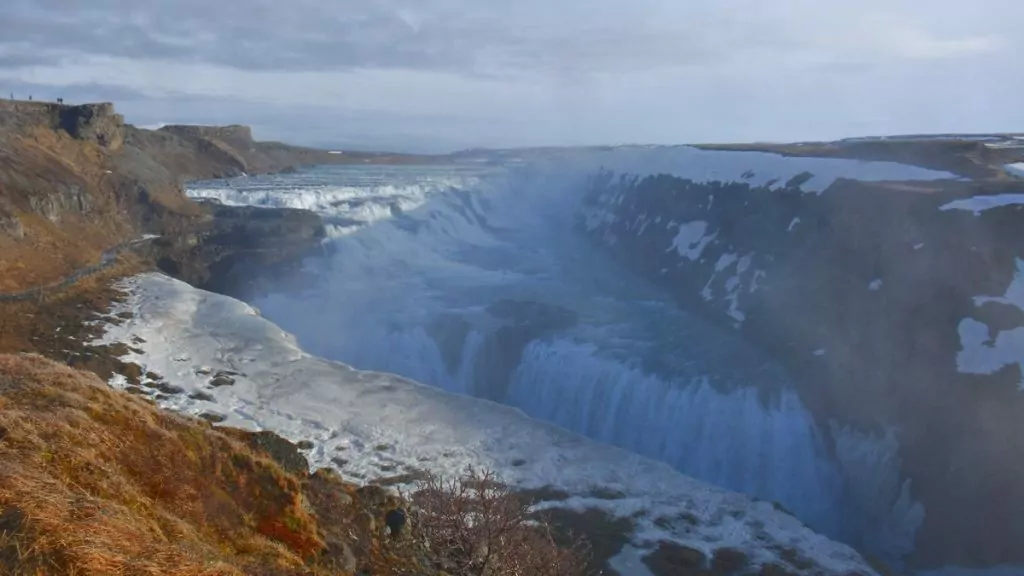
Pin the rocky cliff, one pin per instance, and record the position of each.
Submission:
(76, 181)
(897, 302)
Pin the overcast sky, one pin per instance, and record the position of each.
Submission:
(457, 73)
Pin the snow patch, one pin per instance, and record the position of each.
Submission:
(691, 240)
(1016, 169)
(979, 204)
(982, 354)
(754, 168)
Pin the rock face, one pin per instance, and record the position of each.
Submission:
(94, 123)
(76, 181)
(897, 313)
(237, 247)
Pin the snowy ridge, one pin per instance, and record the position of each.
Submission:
(734, 275)
(371, 425)
(754, 168)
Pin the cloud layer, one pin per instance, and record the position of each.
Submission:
(489, 72)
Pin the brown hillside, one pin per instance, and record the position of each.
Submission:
(98, 482)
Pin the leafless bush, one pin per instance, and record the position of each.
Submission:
(476, 526)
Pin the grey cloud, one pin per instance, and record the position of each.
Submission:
(484, 37)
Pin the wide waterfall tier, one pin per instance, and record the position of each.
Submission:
(477, 279)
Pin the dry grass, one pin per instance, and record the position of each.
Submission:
(98, 482)
(55, 325)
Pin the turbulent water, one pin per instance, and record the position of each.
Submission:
(473, 279)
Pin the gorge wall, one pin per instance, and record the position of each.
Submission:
(897, 303)
(76, 181)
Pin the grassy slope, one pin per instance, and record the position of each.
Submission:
(99, 482)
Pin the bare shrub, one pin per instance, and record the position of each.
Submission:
(476, 526)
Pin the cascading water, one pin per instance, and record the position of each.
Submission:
(472, 279)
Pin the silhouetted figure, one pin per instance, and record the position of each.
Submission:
(29, 97)
(395, 520)
(60, 101)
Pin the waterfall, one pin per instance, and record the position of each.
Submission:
(729, 438)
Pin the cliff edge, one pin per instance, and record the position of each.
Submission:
(77, 182)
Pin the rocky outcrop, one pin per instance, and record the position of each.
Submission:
(897, 307)
(238, 249)
(96, 123)
(76, 181)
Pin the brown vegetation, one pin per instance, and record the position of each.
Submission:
(478, 527)
(96, 481)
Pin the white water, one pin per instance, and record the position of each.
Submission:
(633, 369)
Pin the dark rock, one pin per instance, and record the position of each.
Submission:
(280, 450)
(773, 569)
(222, 380)
(729, 561)
(606, 534)
(304, 445)
(135, 391)
(396, 520)
(671, 559)
(201, 396)
(132, 371)
(164, 387)
(212, 417)
(502, 351)
(94, 123)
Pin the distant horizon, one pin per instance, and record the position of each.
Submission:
(428, 146)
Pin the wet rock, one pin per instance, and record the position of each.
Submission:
(304, 445)
(164, 387)
(131, 371)
(671, 559)
(285, 453)
(135, 391)
(212, 417)
(729, 561)
(222, 379)
(201, 396)
(502, 350)
(775, 569)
